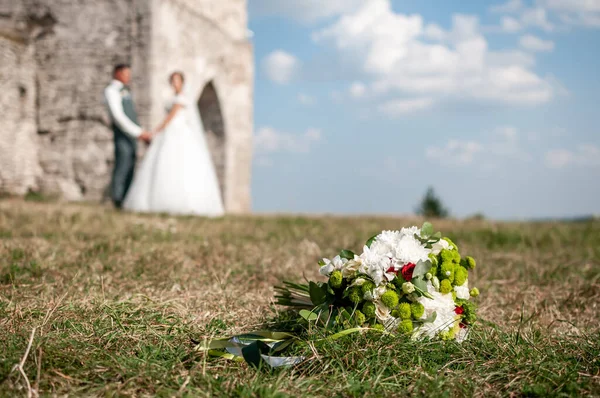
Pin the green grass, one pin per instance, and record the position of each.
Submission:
(117, 298)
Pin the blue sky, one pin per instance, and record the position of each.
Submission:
(360, 105)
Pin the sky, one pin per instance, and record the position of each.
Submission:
(360, 105)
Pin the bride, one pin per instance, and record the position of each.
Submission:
(177, 175)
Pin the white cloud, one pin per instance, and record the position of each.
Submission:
(510, 24)
(575, 12)
(501, 145)
(584, 155)
(533, 43)
(396, 54)
(270, 140)
(455, 152)
(537, 17)
(303, 10)
(401, 107)
(571, 12)
(357, 89)
(558, 158)
(280, 66)
(510, 6)
(306, 99)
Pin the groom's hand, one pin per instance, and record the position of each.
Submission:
(146, 136)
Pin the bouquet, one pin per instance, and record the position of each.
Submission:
(410, 281)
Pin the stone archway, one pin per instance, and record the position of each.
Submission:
(209, 107)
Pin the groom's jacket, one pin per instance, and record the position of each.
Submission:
(122, 110)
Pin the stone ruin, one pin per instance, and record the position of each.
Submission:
(56, 57)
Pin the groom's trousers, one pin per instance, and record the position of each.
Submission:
(125, 157)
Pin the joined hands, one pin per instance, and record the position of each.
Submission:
(146, 136)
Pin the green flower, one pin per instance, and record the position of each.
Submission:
(447, 256)
(447, 270)
(359, 318)
(417, 310)
(367, 287)
(445, 286)
(390, 299)
(455, 247)
(433, 259)
(369, 310)
(336, 279)
(448, 335)
(460, 276)
(405, 327)
(428, 276)
(469, 314)
(355, 295)
(474, 292)
(468, 262)
(402, 311)
(378, 326)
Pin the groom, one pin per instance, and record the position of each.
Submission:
(126, 131)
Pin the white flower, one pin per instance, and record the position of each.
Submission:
(410, 250)
(358, 282)
(411, 231)
(462, 335)
(374, 263)
(326, 269)
(382, 312)
(438, 246)
(332, 265)
(388, 238)
(443, 305)
(462, 291)
(408, 287)
(351, 267)
(378, 292)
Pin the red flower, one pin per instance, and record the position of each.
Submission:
(462, 325)
(391, 270)
(407, 271)
(459, 310)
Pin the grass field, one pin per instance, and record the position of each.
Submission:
(116, 298)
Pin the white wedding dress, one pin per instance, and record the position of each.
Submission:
(176, 175)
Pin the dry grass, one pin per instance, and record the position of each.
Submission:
(116, 298)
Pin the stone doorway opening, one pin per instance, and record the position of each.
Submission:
(209, 107)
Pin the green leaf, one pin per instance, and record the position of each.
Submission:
(308, 315)
(421, 287)
(421, 268)
(318, 295)
(371, 240)
(226, 355)
(344, 333)
(431, 318)
(437, 236)
(345, 314)
(321, 263)
(426, 229)
(420, 283)
(282, 345)
(347, 254)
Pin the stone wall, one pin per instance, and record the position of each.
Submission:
(19, 168)
(74, 46)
